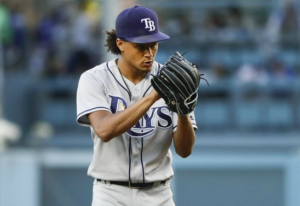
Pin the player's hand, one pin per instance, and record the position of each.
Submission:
(177, 83)
(154, 95)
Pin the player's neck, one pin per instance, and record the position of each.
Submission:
(132, 74)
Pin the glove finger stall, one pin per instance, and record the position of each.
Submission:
(164, 90)
(185, 75)
(176, 83)
(192, 70)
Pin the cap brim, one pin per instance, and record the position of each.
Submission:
(148, 38)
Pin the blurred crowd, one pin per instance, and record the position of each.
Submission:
(62, 41)
(65, 38)
(264, 41)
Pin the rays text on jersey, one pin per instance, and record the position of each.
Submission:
(156, 117)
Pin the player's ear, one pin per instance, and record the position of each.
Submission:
(120, 44)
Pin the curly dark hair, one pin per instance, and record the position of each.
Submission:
(111, 42)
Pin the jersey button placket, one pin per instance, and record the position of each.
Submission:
(136, 164)
(138, 144)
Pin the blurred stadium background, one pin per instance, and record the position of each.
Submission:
(247, 149)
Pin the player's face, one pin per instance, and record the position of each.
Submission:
(140, 56)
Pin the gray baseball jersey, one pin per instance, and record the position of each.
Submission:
(142, 154)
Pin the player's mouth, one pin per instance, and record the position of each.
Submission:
(148, 63)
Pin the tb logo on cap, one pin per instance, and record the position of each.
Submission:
(148, 24)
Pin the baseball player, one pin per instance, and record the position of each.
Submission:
(132, 127)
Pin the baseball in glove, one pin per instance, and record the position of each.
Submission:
(177, 83)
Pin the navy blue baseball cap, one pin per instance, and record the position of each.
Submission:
(139, 24)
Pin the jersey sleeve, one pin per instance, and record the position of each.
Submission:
(175, 119)
(90, 97)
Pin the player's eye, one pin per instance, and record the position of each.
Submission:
(141, 47)
(153, 45)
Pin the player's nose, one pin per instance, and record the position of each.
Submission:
(149, 51)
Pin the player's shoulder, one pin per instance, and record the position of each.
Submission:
(98, 72)
(101, 68)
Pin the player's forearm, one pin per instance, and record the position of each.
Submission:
(116, 124)
(184, 137)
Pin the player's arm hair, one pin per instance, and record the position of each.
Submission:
(108, 126)
(184, 137)
(111, 42)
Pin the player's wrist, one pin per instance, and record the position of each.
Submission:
(184, 117)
